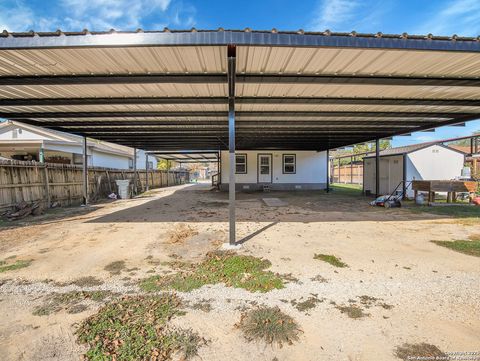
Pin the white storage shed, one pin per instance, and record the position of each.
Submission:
(415, 162)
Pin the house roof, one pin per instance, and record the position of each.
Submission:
(170, 90)
(57, 137)
(411, 148)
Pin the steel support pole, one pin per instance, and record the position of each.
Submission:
(41, 154)
(135, 171)
(85, 171)
(231, 186)
(377, 167)
(231, 141)
(327, 189)
(146, 172)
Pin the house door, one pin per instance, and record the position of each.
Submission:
(264, 168)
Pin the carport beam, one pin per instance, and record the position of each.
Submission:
(85, 171)
(377, 167)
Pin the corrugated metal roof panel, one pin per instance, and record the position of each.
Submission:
(338, 61)
(126, 60)
(363, 90)
(119, 108)
(117, 90)
(355, 107)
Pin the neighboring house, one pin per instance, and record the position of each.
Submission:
(279, 170)
(428, 161)
(26, 142)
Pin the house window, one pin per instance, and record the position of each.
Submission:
(289, 164)
(130, 163)
(241, 164)
(14, 134)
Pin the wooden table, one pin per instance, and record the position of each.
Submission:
(451, 187)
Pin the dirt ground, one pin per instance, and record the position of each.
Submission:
(434, 292)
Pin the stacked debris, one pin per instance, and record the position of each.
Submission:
(23, 209)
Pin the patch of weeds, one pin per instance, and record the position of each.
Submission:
(203, 305)
(319, 278)
(6, 266)
(234, 270)
(88, 281)
(369, 301)
(419, 351)
(181, 233)
(334, 261)
(288, 277)
(70, 302)
(308, 304)
(115, 268)
(352, 311)
(269, 324)
(470, 247)
(137, 328)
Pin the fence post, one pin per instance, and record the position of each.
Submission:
(47, 185)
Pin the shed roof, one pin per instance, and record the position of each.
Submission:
(412, 148)
(294, 90)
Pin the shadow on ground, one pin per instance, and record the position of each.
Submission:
(198, 203)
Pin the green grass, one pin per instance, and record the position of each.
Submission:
(269, 324)
(4, 266)
(219, 267)
(137, 328)
(347, 189)
(334, 261)
(471, 248)
(452, 211)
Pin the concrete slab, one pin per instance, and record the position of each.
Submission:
(274, 202)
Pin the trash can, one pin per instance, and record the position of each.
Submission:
(123, 188)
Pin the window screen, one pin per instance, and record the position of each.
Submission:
(241, 163)
(289, 164)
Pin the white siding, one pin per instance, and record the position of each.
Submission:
(434, 163)
(21, 134)
(141, 160)
(107, 160)
(311, 167)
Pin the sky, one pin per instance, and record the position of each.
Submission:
(439, 17)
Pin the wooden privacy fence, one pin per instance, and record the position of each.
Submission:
(48, 183)
(349, 173)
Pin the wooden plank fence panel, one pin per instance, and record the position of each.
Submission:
(38, 182)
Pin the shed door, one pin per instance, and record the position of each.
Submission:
(264, 168)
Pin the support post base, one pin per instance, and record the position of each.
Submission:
(230, 247)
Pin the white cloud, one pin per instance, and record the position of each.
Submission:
(97, 15)
(19, 17)
(334, 14)
(461, 17)
(107, 14)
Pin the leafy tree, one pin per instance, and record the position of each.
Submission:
(164, 164)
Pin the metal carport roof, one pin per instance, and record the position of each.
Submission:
(169, 90)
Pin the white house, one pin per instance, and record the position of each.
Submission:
(26, 142)
(416, 162)
(280, 170)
